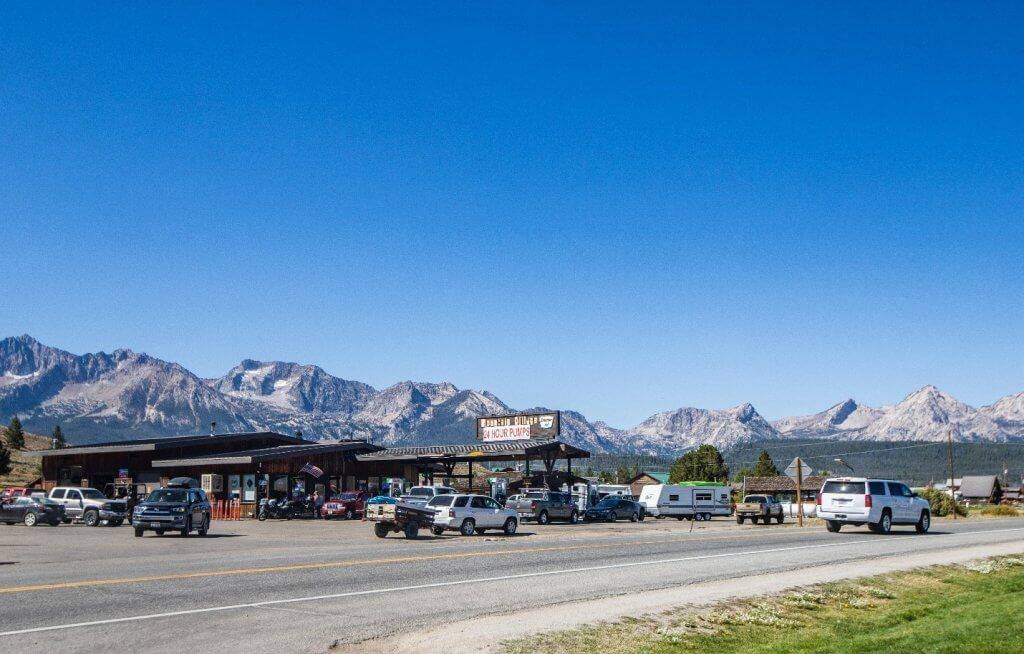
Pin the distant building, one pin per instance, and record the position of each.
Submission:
(1013, 494)
(981, 488)
(636, 484)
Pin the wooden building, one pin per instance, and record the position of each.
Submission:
(251, 466)
(646, 478)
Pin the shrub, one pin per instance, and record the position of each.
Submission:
(999, 510)
(941, 504)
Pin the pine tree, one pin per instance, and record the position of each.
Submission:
(765, 466)
(5, 459)
(15, 435)
(58, 438)
(745, 471)
(702, 464)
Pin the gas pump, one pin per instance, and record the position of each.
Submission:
(499, 489)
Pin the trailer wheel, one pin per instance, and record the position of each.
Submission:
(411, 530)
(380, 530)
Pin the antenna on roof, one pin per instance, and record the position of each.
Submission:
(213, 427)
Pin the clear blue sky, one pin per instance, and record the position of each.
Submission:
(618, 210)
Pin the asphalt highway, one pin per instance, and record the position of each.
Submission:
(307, 586)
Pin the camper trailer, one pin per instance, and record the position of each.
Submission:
(584, 495)
(696, 500)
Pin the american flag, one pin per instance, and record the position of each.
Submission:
(311, 469)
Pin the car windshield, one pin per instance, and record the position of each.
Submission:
(93, 494)
(536, 495)
(845, 487)
(421, 492)
(168, 495)
(608, 503)
(755, 498)
(441, 500)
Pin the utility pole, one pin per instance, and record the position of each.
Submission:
(949, 447)
(799, 492)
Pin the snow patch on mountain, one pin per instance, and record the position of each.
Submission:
(833, 421)
(688, 427)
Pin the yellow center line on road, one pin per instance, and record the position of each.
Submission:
(85, 583)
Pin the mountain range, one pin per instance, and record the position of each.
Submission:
(124, 394)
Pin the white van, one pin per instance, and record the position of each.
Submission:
(689, 501)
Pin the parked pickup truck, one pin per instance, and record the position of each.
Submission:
(545, 506)
(89, 505)
(759, 507)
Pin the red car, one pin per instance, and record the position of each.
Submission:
(348, 505)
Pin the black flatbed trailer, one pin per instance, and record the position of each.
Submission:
(400, 517)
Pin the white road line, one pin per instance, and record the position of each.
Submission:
(443, 584)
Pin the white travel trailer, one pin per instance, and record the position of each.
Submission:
(697, 501)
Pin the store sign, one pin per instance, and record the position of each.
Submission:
(523, 426)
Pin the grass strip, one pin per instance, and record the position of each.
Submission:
(976, 607)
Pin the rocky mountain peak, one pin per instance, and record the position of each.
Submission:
(126, 394)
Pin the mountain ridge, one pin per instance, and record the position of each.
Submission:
(125, 394)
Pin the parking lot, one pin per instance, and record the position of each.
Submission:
(305, 585)
(79, 550)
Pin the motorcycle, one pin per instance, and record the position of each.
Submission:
(302, 508)
(275, 509)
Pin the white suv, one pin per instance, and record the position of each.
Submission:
(469, 514)
(878, 503)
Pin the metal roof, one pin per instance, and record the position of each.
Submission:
(154, 444)
(495, 450)
(978, 486)
(660, 477)
(269, 454)
(780, 484)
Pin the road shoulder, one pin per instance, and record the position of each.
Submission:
(486, 633)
